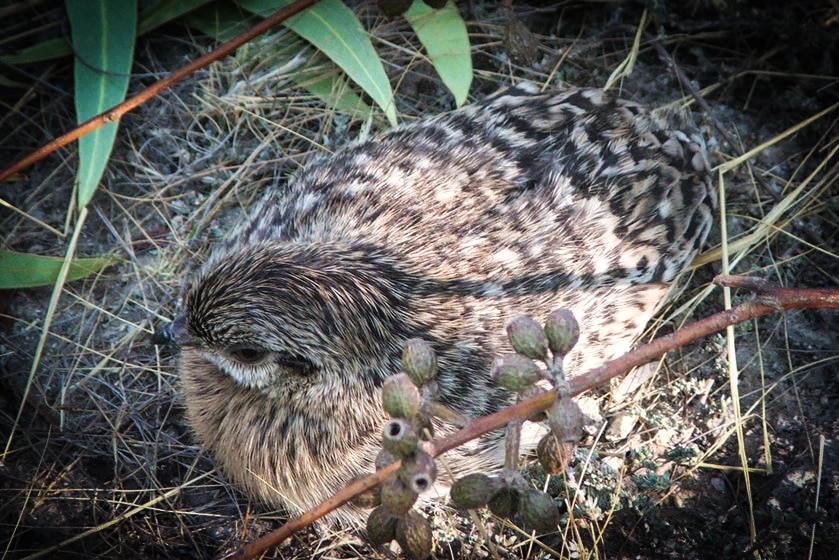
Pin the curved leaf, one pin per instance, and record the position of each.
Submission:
(21, 270)
(335, 30)
(103, 35)
(443, 34)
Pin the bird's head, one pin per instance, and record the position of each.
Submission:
(281, 317)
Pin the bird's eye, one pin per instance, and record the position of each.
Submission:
(247, 354)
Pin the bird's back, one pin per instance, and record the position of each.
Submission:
(444, 229)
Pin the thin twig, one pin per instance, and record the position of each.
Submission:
(783, 299)
(117, 111)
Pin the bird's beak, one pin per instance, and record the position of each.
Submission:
(174, 334)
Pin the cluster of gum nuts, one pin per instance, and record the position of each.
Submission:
(409, 398)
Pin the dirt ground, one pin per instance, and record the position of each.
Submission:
(101, 463)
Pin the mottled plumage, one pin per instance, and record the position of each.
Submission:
(444, 229)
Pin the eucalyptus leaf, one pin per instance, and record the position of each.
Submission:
(103, 34)
(335, 30)
(154, 14)
(221, 19)
(22, 270)
(443, 34)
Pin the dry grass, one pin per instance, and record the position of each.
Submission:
(722, 453)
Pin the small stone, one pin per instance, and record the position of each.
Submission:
(621, 426)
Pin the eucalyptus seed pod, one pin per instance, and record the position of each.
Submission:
(400, 438)
(381, 526)
(393, 8)
(419, 361)
(418, 471)
(385, 458)
(514, 372)
(528, 337)
(538, 512)
(397, 498)
(400, 397)
(413, 533)
(562, 330)
(554, 456)
(505, 502)
(474, 490)
(368, 499)
(566, 420)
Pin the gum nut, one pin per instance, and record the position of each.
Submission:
(505, 502)
(473, 490)
(562, 330)
(397, 498)
(385, 458)
(538, 512)
(418, 471)
(413, 533)
(369, 499)
(381, 526)
(566, 420)
(514, 372)
(553, 455)
(419, 361)
(400, 438)
(528, 337)
(400, 397)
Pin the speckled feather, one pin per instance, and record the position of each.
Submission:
(444, 229)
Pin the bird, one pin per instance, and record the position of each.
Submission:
(442, 229)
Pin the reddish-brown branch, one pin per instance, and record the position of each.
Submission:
(116, 112)
(780, 299)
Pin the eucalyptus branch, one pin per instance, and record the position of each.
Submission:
(770, 299)
(115, 113)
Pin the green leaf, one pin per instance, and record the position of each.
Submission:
(222, 20)
(163, 11)
(103, 34)
(443, 34)
(152, 16)
(334, 90)
(335, 30)
(21, 270)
